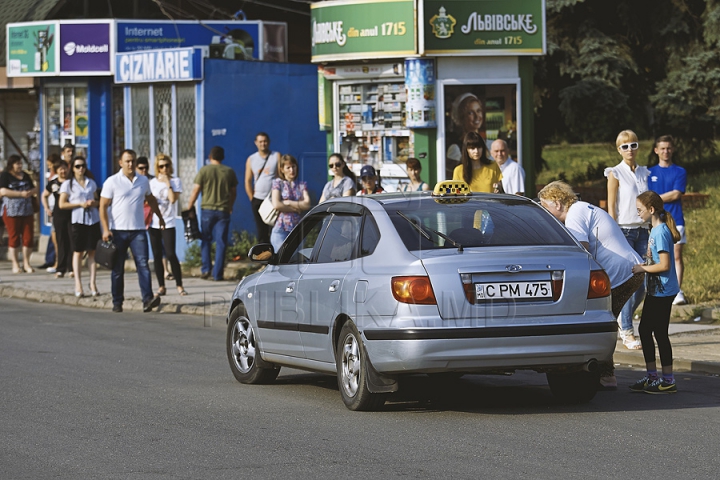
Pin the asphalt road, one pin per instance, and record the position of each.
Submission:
(91, 394)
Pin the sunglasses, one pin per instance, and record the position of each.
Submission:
(629, 146)
(163, 165)
(78, 166)
(142, 167)
(333, 165)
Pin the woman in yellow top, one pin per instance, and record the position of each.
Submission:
(476, 169)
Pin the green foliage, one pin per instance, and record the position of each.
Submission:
(238, 248)
(649, 65)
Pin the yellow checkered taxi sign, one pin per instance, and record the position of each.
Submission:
(452, 191)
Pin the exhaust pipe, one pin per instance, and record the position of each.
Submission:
(591, 366)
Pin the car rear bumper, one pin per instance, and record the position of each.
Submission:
(546, 347)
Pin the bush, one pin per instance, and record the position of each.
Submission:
(238, 248)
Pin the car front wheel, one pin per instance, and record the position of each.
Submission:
(574, 387)
(242, 351)
(352, 372)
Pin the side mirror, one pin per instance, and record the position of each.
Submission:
(262, 253)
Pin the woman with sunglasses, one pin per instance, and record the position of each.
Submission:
(17, 191)
(166, 189)
(625, 181)
(343, 182)
(476, 169)
(79, 194)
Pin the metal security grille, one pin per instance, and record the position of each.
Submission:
(186, 163)
(118, 108)
(162, 98)
(140, 120)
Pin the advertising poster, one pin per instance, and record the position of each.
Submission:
(85, 48)
(229, 40)
(355, 29)
(490, 110)
(31, 49)
(488, 27)
(420, 86)
(274, 42)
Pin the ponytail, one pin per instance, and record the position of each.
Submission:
(652, 199)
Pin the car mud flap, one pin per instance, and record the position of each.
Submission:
(376, 381)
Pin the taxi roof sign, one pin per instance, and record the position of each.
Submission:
(451, 188)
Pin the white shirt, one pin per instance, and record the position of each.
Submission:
(128, 198)
(169, 210)
(513, 180)
(608, 245)
(80, 194)
(631, 185)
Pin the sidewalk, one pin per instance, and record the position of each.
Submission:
(695, 341)
(204, 297)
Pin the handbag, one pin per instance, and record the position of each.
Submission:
(192, 229)
(267, 212)
(105, 253)
(35, 204)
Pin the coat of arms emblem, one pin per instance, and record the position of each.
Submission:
(442, 25)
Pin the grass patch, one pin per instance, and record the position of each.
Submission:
(583, 164)
(702, 252)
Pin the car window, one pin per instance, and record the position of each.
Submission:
(474, 223)
(298, 248)
(340, 239)
(370, 236)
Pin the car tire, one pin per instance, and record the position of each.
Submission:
(242, 351)
(574, 387)
(352, 372)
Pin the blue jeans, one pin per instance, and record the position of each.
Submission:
(638, 240)
(277, 237)
(214, 228)
(136, 240)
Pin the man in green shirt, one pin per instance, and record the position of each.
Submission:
(218, 185)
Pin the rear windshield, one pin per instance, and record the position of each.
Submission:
(474, 223)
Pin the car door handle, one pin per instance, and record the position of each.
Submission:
(334, 286)
(290, 287)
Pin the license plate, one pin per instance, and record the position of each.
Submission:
(512, 290)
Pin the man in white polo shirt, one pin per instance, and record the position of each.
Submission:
(124, 223)
(513, 180)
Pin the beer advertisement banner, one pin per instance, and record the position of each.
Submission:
(362, 29)
(484, 27)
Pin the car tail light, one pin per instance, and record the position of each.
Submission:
(599, 284)
(417, 290)
(556, 281)
(468, 287)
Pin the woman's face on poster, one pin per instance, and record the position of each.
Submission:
(472, 116)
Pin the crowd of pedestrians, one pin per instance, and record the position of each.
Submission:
(641, 235)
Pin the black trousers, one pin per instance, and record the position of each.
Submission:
(64, 244)
(263, 229)
(655, 321)
(166, 238)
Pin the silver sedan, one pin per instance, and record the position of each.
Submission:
(373, 288)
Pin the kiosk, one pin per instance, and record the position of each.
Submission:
(407, 78)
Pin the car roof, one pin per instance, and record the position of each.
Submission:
(397, 197)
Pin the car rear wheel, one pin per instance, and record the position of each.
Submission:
(575, 387)
(352, 372)
(242, 351)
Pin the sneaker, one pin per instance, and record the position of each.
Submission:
(51, 270)
(680, 299)
(152, 303)
(660, 386)
(641, 384)
(117, 308)
(205, 275)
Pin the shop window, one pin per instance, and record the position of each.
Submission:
(66, 117)
(162, 113)
(140, 115)
(118, 133)
(186, 161)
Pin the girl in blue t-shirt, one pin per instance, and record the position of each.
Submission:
(662, 286)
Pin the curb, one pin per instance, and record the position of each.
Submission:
(634, 358)
(104, 302)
